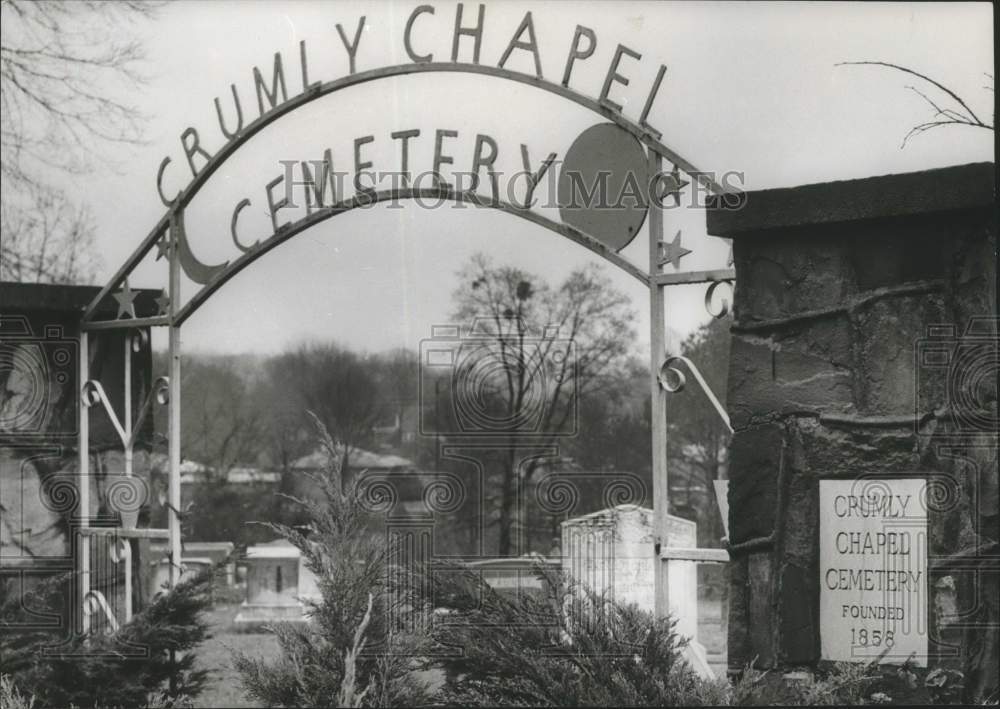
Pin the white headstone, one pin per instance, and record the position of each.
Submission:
(612, 552)
(277, 581)
(873, 570)
(190, 566)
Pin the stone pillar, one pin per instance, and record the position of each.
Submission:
(864, 343)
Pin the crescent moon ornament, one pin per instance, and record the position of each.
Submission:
(197, 271)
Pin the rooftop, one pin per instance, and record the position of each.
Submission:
(358, 458)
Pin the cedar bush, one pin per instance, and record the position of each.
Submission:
(356, 651)
(96, 670)
(565, 646)
(11, 697)
(568, 646)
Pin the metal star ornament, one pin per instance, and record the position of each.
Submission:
(126, 300)
(673, 252)
(671, 186)
(162, 303)
(162, 247)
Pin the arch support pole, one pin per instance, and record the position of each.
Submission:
(658, 397)
(174, 405)
(83, 476)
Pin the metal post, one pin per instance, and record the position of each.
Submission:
(658, 397)
(127, 412)
(174, 427)
(437, 425)
(83, 449)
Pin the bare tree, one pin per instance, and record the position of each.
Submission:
(396, 371)
(958, 113)
(338, 386)
(44, 237)
(533, 352)
(65, 70)
(222, 425)
(285, 437)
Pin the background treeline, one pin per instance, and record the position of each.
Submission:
(565, 439)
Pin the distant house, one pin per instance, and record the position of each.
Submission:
(358, 459)
(400, 474)
(410, 484)
(194, 473)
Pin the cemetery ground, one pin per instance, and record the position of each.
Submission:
(216, 654)
(226, 690)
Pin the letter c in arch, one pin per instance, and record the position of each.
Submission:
(244, 203)
(159, 183)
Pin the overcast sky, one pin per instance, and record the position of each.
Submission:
(751, 87)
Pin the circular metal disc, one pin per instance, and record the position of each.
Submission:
(604, 185)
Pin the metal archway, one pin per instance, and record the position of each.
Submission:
(169, 236)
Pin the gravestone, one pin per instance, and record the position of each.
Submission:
(196, 556)
(277, 584)
(517, 575)
(191, 566)
(611, 551)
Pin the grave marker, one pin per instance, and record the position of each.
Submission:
(612, 551)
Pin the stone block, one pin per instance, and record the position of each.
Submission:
(738, 645)
(801, 511)
(831, 450)
(784, 274)
(802, 370)
(751, 364)
(972, 253)
(828, 338)
(762, 624)
(806, 382)
(887, 344)
(755, 455)
(799, 613)
(887, 254)
(963, 491)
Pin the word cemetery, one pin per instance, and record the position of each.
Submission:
(873, 556)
